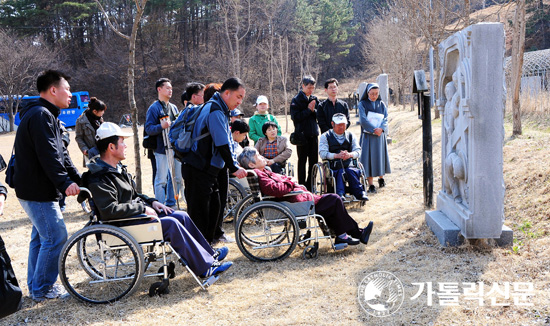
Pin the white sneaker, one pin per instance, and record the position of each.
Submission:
(226, 239)
(56, 292)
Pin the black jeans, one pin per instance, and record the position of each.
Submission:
(204, 199)
(307, 153)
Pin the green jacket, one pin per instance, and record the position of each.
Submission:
(113, 191)
(256, 123)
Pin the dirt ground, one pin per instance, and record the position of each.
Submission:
(324, 291)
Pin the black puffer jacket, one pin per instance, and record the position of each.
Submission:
(43, 168)
(304, 119)
(114, 192)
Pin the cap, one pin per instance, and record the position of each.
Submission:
(262, 99)
(109, 129)
(339, 118)
(235, 113)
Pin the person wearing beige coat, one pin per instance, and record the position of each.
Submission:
(274, 148)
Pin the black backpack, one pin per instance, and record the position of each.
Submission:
(11, 296)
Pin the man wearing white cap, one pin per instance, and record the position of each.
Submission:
(256, 122)
(115, 197)
(341, 148)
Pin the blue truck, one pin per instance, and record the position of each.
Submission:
(79, 104)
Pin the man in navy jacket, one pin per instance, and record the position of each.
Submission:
(303, 111)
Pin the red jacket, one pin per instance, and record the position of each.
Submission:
(278, 185)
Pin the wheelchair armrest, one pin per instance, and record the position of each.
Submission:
(292, 193)
(134, 218)
(295, 193)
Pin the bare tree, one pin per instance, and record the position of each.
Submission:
(140, 8)
(518, 46)
(234, 32)
(21, 62)
(282, 69)
(390, 47)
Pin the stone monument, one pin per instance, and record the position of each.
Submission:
(382, 81)
(471, 101)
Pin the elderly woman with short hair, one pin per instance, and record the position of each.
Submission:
(330, 206)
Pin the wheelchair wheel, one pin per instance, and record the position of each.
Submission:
(362, 178)
(235, 193)
(266, 231)
(242, 205)
(318, 180)
(101, 264)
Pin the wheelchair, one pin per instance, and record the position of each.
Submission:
(102, 263)
(267, 230)
(239, 195)
(324, 182)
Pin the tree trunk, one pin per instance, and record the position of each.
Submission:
(518, 45)
(131, 82)
(140, 8)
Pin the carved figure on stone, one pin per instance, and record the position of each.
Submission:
(455, 151)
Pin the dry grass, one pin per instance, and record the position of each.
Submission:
(324, 290)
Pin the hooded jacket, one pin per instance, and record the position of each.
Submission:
(43, 168)
(113, 191)
(215, 152)
(256, 122)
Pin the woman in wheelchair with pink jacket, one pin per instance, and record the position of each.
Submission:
(330, 206)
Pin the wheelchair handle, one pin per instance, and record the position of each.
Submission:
(83, 195)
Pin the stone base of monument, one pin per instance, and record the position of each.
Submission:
(449, 234)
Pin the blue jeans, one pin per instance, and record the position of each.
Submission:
(48, 236)
(163, 193)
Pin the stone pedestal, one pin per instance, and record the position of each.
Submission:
(471, 102)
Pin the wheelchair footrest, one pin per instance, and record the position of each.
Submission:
(340, 246)
(211, 280)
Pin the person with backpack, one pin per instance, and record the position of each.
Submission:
(42, 171)
(194, 94)
(154, 127)
(209, 159)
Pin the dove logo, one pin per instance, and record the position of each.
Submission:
(381, 294)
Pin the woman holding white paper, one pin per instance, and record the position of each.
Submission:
(373, 116)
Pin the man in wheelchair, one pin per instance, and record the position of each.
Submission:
(330, 206)
(341, 149)
(115, 197)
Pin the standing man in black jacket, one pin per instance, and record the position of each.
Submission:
(43, 170)
(303, 111)
(331, 106)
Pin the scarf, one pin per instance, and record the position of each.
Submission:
(95, 121)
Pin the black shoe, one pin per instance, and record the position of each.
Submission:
(349, 240)
(366, 233)
(381, 182)
(372, 189)
(362, 196)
